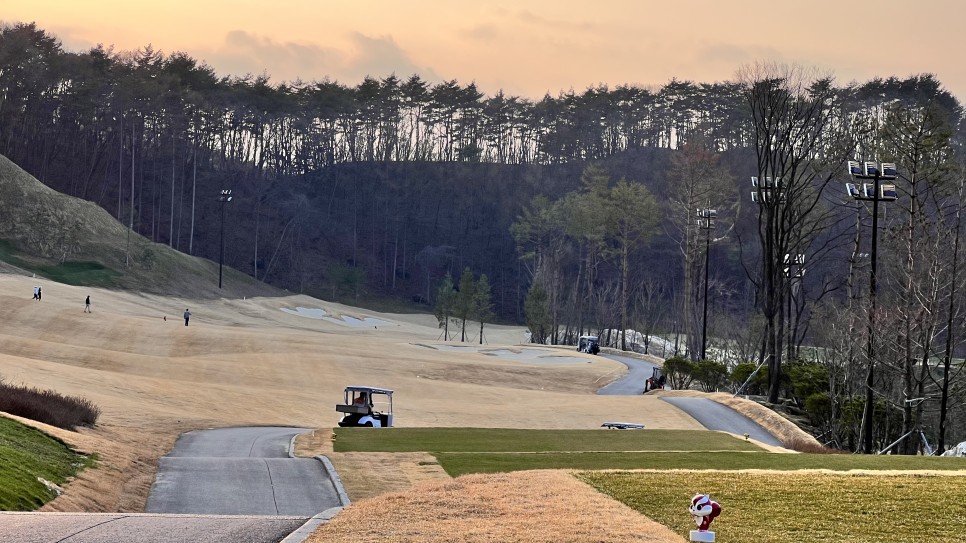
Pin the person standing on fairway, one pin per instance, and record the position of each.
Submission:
(87, 305)
(187, 315)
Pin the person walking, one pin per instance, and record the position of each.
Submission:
(36, 290)
(187, 315)
(87, 305)
(40, 293)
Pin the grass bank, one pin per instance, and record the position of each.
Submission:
(498, 450)
(516, 440)
(802, 507)
(27, 456)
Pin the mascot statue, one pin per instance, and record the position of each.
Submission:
(704, 510)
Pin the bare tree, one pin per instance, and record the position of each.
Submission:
(792, 112)
(697, 181)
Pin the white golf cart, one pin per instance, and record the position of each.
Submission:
(588, 344)
(366, 406)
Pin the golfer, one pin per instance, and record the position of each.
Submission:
(187, 315)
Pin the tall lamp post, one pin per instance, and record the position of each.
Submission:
(224, 198)
(794, 269)
(767, 194)
(875, 193)
(705, 220)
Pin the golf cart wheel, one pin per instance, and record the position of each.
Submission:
(368, 424)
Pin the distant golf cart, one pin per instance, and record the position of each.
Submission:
(588, 344)
(366, 406)
(656, 381)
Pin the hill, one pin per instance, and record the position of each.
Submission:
(75, 241)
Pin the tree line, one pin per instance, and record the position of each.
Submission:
(584, 206)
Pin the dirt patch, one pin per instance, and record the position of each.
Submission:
(365, 475)
(526, 507)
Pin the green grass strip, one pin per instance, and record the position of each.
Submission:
(25, 455)
(92, 274)
(800, 507)
(457, 464)
(75, 273)
(515, 440)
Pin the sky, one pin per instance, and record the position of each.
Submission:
(526, 48)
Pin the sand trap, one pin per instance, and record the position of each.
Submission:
(527, 355)
(321, 314)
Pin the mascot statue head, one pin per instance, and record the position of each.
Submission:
(704, 511)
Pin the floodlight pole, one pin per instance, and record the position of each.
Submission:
(224, 198)
(876, 172)
(867, 413)
(706, 221)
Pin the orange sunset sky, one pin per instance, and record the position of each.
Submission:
(526, 47)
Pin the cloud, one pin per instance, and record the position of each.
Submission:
(560, 25)
(484, 32)
(360, 55)
(734, 54)
(380, 57)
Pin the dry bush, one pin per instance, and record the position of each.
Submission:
(47, 406)
(809, 446)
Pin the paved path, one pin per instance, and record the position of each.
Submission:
(711, 414)
(237, 484)
(716, 416)
(240, 471)
(633, 382)
(142, 528)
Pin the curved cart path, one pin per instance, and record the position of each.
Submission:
(633, 382)
(711, 414)
(241, 471)
(716, 416)
(215, 486)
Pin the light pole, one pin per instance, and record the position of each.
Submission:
(794, 269)
(224, 198)
(767, 195)
(706, 219)
(875, 193)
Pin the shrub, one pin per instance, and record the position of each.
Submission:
(679, 372)
(818, 407)
(712, 375)
(806, 379)
(757, 386)
(47, 406)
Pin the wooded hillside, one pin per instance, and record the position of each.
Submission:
(382, 188)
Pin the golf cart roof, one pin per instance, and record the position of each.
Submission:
(374, 390)
(587, 337)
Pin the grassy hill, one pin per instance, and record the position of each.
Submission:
(28, 457)
(74, 241)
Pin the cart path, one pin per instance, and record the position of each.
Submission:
(143, 528)
(241, 471)
(716, 416)
(711, 414)
(215, 486)
(632, 383)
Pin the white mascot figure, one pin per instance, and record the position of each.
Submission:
(704, 510)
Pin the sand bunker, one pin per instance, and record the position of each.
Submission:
(345, 320)
(526, 355)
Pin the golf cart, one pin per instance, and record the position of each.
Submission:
(588, 344)
(656, 381)
(366, 406)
